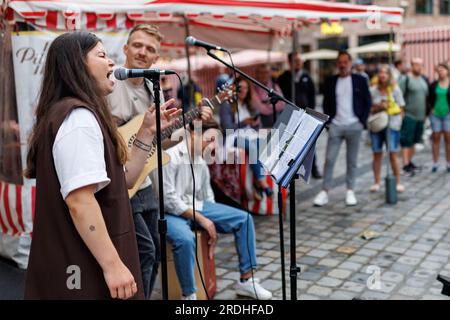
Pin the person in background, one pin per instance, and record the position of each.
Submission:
(399, 70)
(225, 77)
(213, 217)
(305, 92)
(360, 68)
(347, 101)
(262, 100)
(243, 117)
(438, 111)
(167, 89)
(386, 97)
(189, 90)
(415, 92)
(275, 72)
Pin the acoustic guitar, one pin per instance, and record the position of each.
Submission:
(128, 132)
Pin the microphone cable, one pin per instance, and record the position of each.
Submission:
(193, 192)
(237, 139)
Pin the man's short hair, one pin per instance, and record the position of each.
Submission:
(416, 60)
(344, 53)
(150, 29)
(398, 62)
(291, 55)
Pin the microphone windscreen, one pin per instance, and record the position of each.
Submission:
(120, 74)
(190, 41)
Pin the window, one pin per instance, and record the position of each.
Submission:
(363, 40)
(365, 2)
(444, 7)
(424, 6)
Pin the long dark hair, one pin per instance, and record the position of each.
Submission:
(248, 100)
(66, 75)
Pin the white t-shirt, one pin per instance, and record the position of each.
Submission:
(243, 113)
(344, 102)
(78, 152)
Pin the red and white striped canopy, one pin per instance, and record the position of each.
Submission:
(262, 21)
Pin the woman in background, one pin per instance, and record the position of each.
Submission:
(438, 110)
(242, 117)
(386, 97)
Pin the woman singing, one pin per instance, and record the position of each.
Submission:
(84, 244)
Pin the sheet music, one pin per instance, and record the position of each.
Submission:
(290, 151)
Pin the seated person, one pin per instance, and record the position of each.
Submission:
(243, 117)
(211, 216)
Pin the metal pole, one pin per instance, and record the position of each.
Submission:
(162, 223)
(294, 270)
(190, 88)
(390, 181)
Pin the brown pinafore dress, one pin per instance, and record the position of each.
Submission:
(56, 245)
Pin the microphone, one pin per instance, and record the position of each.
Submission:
(124, 73)
(198, 43)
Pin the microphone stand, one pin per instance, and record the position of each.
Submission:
(274, 98)
(162, 222)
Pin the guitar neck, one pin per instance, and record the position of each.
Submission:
(189, 116)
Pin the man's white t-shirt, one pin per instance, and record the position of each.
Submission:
(78, 152)
(344, 102)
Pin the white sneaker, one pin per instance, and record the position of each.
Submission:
(251, 288)
(350, 198)
(192, 296)
(321, 199)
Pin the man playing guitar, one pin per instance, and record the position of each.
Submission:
(130, 98)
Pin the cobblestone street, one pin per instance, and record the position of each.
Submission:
(412, 248)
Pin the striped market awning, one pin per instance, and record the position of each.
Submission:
(260, 20)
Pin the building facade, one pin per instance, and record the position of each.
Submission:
(419, 14)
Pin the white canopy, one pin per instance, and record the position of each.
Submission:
(376, 47)
(322, 54)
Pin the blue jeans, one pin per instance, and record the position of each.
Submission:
(379, 138)
(251, 147)
(226, 220)
(145, 215)
(440, 124)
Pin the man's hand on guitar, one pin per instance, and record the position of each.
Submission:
(168, 116)
(206, 113)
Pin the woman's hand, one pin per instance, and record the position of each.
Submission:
(382, 106)
(120, 281)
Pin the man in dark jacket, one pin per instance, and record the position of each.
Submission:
(305, 93)
(347, 101)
